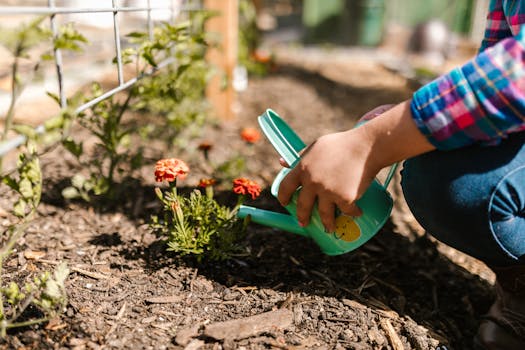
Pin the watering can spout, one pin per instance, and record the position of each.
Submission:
(269, 218)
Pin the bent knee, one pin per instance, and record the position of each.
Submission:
(507, 213)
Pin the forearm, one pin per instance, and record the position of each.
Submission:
(480, 102)
(393, 136)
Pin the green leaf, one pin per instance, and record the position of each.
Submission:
(61, 273)
(19, 209)
(101, 187)
(70, 193)
(47, 57)
(55, 97)
(26, 130)
(149, 58)
(137, 35)
(56, 122)
(69, 38)
(75, 148)
(78, 181)
(9, 181)
(25, 188)
(53, 289)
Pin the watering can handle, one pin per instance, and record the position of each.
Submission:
(285, 141)
(390, 175)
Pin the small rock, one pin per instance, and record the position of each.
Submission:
(185, 335)
(77, 342)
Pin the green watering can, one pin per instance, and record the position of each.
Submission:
(351, 232)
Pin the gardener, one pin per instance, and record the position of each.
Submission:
(464, 175)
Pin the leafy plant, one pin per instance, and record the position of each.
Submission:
(113, 149)
(22, 42)
(176, 95)
(46, 292)
(250, 55)
(19, 42)
(197, 224)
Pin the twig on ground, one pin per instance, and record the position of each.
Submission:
(92, 274)
(392, 335)
(193, 279)
(117, 318)
(168, 299)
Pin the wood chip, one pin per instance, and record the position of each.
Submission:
(392, 335)
(34, 254)
(353, 304)
(55, 324)
(249, 326)
(168, 299)
(94, 275)
(149, 319)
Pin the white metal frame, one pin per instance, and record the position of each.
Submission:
(51, 10)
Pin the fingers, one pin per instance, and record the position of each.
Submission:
(326, 210)
(327, 213)
(283, 163)
(349, 208)
(288, 186)
(305, 205)
(305, 200)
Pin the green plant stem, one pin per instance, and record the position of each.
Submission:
(240, 201)
(209, 192)
(6, 250)
(114, 158)
(23, 307)
(26, 323)
(14, 97)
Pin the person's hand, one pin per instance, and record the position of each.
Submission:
(321, 174)
(336, 169)
(333, 172)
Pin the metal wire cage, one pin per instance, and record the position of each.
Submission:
(106, 22)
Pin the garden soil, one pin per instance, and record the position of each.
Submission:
(401, 290)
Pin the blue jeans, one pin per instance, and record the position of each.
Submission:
(472, 199)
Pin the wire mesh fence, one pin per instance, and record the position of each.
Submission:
(105, 24)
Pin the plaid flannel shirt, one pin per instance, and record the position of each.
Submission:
(483, 100)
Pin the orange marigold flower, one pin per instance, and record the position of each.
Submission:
(262, 56)
(250, 135)
(170, 169)
(245, 186)
(207, 182)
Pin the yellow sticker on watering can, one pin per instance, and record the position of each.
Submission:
(346, 229)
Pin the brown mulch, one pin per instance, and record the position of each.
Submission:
(402, 290)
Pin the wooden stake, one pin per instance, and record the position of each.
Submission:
(224, 58)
